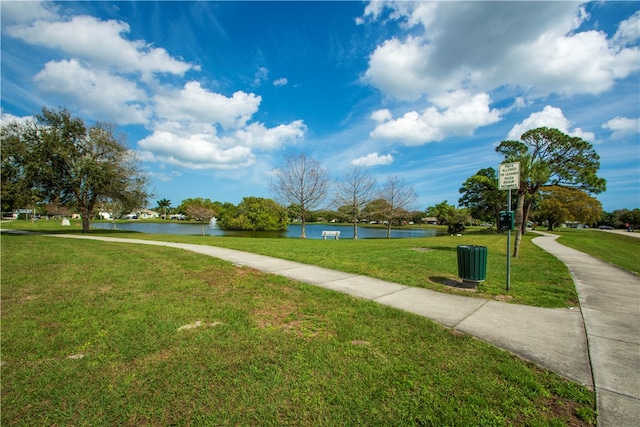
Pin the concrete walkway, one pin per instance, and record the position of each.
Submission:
(553, 338)
(610, 304)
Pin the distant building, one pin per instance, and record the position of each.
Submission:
(148, 214)
(432, 220)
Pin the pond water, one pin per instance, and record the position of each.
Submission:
(313, 231)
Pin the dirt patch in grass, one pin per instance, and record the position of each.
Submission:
(288, 317)
(198, 324)
(568, 411)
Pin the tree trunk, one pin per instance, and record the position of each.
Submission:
(355, 229)
(303, 233)
(85, 220)
(525, 216)
(518, 224)
(389, 229)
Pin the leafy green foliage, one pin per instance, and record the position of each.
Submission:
(548, 158)
(450, 216)
(631, 217)
(58, 159)
(164, 205)
(255, 214)
(559, 204)
(480, 194)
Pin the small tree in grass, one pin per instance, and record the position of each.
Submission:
(399, 197)
(353, 193)
(302, 182)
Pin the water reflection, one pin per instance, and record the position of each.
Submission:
(313, 231)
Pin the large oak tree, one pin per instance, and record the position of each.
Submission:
(57, 158)
(548, 158)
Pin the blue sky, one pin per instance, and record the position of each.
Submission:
(213, 95)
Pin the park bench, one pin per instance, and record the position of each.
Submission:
(334, 234)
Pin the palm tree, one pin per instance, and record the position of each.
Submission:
(164, 205)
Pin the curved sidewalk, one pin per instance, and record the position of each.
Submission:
(610, 305)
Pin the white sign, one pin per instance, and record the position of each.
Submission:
(509, 176)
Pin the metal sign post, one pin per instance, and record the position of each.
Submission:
(509, 179)
(509, 243)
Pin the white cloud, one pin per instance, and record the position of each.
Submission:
(452, 114)
(104, 75)
(381, 115)
(281, 82)
(400, 69)
(193, 103)
(622, 126)
(550, 117)
(20, 12)
(94, 92)
(628, 30)
(256, 135)
(499, 45)
(373, 159)
(201, 129)
(579, 63)
(193, 151)
(163, 176)
(261, 75)
(102, 43)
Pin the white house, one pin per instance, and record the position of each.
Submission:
(148, 214)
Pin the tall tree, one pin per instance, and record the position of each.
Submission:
(66, 162)
(547, 158)
(354, 191)
(18, 166)
(302, 181)
(399, 197)
(164, 205)
(480, 194)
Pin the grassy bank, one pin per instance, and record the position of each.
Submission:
(620, 250)
(97, 333)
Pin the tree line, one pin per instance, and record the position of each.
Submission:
(59, 160)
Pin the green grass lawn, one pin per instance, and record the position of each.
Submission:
(537, 278)
(93, 333)
(620, 250)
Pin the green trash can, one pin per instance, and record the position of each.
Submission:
(472, 263)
